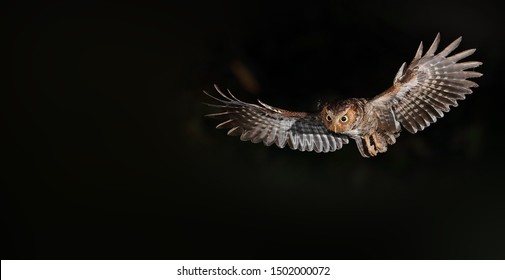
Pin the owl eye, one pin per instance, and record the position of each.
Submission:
(328, 118)
(344, 118)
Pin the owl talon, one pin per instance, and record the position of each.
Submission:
(379, 144)
(370, 147)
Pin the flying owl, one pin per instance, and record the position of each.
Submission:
(421, 93)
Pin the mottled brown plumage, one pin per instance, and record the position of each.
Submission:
(420, 94)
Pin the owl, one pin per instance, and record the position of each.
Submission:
(421, 93)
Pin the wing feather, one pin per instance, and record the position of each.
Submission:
(430, 85)
(270, 125)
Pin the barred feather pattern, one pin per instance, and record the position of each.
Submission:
(431, 84)
(269, 125)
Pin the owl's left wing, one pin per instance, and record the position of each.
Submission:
(430, 84)
(264, 123)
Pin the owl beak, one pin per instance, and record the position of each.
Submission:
(335, 128)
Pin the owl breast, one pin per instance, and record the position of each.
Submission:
(366, 122)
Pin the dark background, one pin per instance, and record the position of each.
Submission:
(108, 154)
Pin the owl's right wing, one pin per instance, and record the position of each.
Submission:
(264, 123)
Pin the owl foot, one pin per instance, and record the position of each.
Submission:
(379, 143)
(370, 147)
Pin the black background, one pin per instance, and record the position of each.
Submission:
(108, 154)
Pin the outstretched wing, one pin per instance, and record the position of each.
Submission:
(267, 124)
(429, 86)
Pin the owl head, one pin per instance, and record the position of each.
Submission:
(341, 116)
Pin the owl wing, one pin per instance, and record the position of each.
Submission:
(264, 123)
(429, 86)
